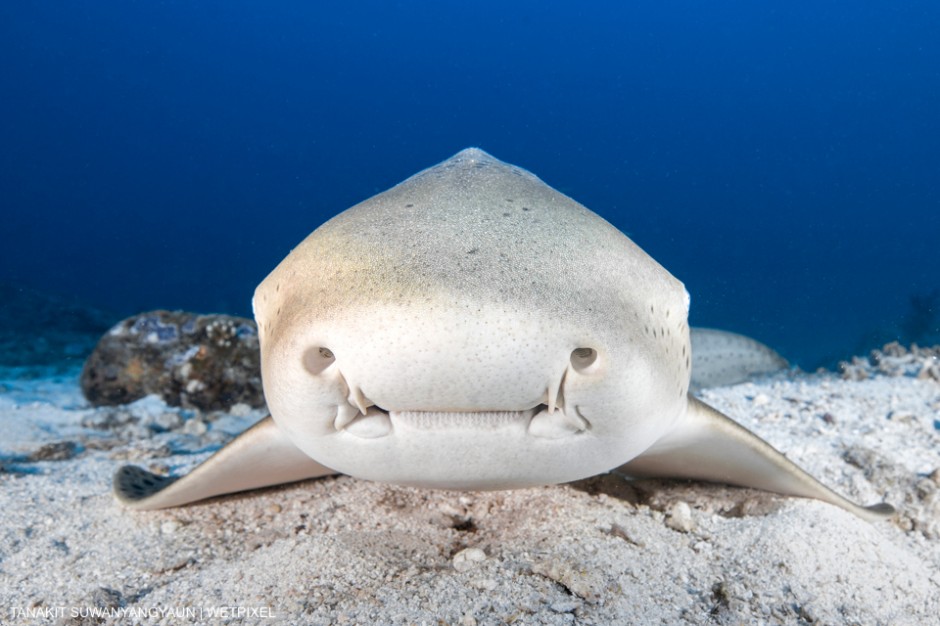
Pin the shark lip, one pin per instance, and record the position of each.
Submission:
(477, 420)
(538, 421)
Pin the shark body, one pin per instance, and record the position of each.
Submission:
(474, 328)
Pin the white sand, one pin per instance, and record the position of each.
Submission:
(604, 551)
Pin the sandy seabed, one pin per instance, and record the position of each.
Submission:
(601, 551)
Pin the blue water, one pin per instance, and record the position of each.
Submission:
(781, 158)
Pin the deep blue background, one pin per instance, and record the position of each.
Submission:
(781, 158)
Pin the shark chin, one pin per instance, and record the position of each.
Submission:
(466, 450)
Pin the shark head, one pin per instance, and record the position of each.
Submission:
(472, 327)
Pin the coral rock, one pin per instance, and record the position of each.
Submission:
(207, 362)
(895, 360)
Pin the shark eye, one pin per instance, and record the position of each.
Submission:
(318, 359)
(583, 358)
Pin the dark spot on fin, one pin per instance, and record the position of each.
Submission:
(882, 508)
(133, 484)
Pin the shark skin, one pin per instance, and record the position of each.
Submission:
(721, 358)
(473, 328)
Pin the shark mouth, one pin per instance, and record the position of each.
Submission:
(552, 419)
(541, 421)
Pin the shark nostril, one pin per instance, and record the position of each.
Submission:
(582, 359)
(318, 359)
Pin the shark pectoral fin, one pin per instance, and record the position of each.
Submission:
(710, 446)
(259, 457)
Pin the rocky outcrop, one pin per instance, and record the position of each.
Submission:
(207, 362)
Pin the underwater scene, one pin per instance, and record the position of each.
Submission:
(780, 160)
(486, 365)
